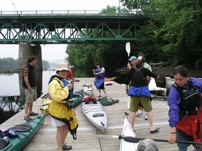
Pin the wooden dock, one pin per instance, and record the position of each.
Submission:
(90, 139)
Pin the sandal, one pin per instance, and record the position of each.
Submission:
(155, 130)
(66, 147)
(33, 114)
(27, 118)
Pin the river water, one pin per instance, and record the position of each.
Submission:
(10, 101)
(10, 83)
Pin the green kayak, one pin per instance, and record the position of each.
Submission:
(25, 133)
(78, 98)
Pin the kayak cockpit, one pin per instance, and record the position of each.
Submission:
(3, 143)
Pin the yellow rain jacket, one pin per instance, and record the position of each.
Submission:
(57, 108)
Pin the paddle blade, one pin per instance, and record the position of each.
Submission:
(128, 48)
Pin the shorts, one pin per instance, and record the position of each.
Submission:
(31, 96)
(135, 101)
(56, 122)
(102, 86)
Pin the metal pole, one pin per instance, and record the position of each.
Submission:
(13, 6)
(119, 7)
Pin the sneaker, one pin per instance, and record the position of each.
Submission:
(146, 117)
(66, 147)
(33, 114)
(27, 118)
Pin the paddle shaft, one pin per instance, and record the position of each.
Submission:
(134, 140)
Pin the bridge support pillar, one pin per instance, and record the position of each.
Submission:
(25, 51)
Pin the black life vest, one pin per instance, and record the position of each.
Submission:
(138, 79)
(190, 100)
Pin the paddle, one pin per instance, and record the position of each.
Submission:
(136, 140)
(128, 48)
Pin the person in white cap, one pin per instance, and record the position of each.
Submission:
(61, 106)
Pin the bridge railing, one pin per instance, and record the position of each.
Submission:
(52, 12)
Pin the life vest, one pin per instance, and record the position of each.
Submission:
(99, 76)
(65, 82)
(138, 79)
(190, 100)
(190, 114)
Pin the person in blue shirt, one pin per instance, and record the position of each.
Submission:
(99, 79)
(184, 102)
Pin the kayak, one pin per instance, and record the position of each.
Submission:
(24, 133)
(78, 97)
(95, 113)
(109, 81)
(154, 89)
(128, 131)
(88, 89)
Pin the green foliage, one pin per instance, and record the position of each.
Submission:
(45, 64)
(173, 30)
(9, 64)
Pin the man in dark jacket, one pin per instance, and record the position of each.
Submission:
(29, 83)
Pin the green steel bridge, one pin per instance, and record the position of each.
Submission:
(68, 26)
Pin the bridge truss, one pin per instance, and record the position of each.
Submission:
(67, 27)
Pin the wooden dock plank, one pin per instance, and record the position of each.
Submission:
(90, 139)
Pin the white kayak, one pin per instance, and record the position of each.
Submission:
(128, 131)
(88, 89)
(95, 113)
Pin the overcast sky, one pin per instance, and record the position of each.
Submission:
(49, 52)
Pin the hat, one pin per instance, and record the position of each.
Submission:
(62, 66)
(132, 58)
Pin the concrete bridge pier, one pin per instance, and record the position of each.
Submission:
(25, 51)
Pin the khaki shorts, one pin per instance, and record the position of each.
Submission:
(31, 96)
(135, 101)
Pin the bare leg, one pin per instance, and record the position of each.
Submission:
(60, 137)
(30, 107)
(104, 92)
(65, 133)
(133, 116)
(149, 114)
(26, 109)
(99, 90)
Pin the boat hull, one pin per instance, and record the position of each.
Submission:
(96, 114)
(18, 143)
(128, 131)
(156, 90)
